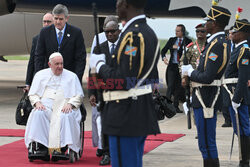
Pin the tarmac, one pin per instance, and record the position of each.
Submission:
(183, 152)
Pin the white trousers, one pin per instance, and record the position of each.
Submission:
(38, 126)
(96, 128)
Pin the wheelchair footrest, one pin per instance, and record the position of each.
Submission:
(60, 157)
(39, 156)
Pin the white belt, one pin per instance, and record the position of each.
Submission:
(208, 112)
(214, 83)
(230, 81)
(121, 94)
(49, 93)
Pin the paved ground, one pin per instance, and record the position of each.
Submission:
(180, 153)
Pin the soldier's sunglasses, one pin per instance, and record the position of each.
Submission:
(202, 31)
(110, 31)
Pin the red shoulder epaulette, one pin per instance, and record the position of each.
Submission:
(190, 44)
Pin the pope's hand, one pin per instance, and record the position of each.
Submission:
(39, 106)
(187, 70)
(67, 108)
(235, 106)
(95, 59)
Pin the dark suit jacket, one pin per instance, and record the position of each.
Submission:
(169, 46)
(72, 49)
(31, 66)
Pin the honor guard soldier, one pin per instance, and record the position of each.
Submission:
(206, 82)
(236, 79)
(129, 114)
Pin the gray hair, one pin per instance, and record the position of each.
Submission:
(111, 24)
(108, 19)
(60, 9)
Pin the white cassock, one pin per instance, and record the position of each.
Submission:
(53, 128)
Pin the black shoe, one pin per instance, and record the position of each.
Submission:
(105, 160)
(226, 125)
(244, 164)
(3, 59)
(58, 156)
(41, 150)
(99, 152)
(178, 110)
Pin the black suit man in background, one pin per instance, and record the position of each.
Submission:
(111, 30)
(173, 78)
(64, 38)
(47, 21)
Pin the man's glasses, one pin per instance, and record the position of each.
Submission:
(202, 31)
(47, 21)
(110, 31)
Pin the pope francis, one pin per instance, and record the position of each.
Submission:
(54, 123)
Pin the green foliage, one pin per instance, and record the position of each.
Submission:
(162, 42)
(88, 50)
(21, 57)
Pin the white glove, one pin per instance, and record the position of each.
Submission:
(235, 106)
(185, 108)
(96, 61)
(187, 70)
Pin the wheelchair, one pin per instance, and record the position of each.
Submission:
(34, 152)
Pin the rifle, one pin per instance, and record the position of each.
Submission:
(93, 73)
(187, 88)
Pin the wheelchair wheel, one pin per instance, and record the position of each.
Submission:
(72, 157)
(81, 139)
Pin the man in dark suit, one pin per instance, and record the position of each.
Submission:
(47, 21)
(64, 38)
(111, 30)
(129, 113)
(173, 78)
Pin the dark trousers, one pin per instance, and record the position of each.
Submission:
(206, 129)
(126, 151)
(243, 119)
(173, 80)
(105, 144)
(226, 115)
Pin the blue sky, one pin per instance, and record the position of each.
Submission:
(165, 27)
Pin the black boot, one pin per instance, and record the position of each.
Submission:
(206, 162)
(215, 162)
(244, 164)
(248, 147)
(244, 151)
(99, 152)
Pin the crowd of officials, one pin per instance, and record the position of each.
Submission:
(121, 120)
